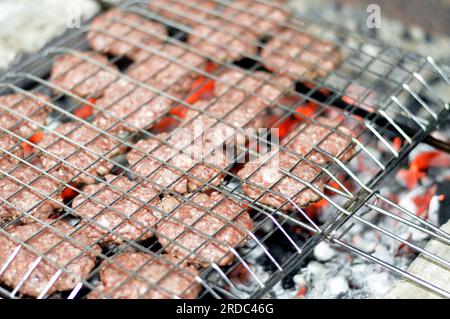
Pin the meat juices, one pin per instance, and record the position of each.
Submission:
(159, 71)
(130, 107)
(261, 18)
(188, 158)
(184, 12)
(303, 139)
(229, 227)
(82, 77)
(31, 108)
(106, 29)
(222, 40)
(30, 198)
(136, 275)
(79, 160)
(300, 56)
(60, 251)
(237, 85)
(129, 216)
(266, 174)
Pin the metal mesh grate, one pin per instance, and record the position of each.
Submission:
(396, 77)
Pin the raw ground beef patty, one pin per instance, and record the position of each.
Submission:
(265, 173)
(29, 197)
(80, 160)
(199, 159)
(84, 78)
(33, 108)
(130, 217)
(303, 139)
(106, 29)
(229, 227)
(222, 40)
(136, 275)
(55, 247)
(261, 18)
(236, 86)
(300, 56)
(160, 72)
(129, 107)
(184, 12)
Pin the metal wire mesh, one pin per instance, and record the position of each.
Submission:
(397, 78)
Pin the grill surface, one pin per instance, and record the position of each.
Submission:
(405, 106)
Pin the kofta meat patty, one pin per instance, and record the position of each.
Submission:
(275, 187)
(198, 159)
(76, 256)
(236, 85)
(32, 108)
(161, 72)
(321, 135)
(184, 12)
(229, 225)
(107, 29)
(301, 56)
(117, 212)
(65, 159)
(31, 195)
(136, 275)
(262, 18)
(129, 107)
(222, 40)
(76, 73)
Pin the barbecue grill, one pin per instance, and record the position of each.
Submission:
(400, 101)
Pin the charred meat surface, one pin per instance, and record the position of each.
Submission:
(117, 212)
(118, 32)
(76, 257)
(162, 73)
(28, 191)
(222, 40)
(67, 160)
(199, 236)
(325, 136)
(184, 12)
(129, 107)
(136, 275)
(301, 56)
(197, 158)
(75, 72)
(32, 113)
(260, 17)
(264, 178)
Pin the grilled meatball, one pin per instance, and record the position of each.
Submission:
(184, 12)
(229, 226)
(130, 107)
(33, 108)
(160, 72)
(305, 137)
(236, 86)
(189, 158)
(129, 218)
(301, 56)
(136, 275)
(106, 30)
(222, 40)
(80, 160)
(82, 77)
(59, 252)
(261, 18)
(266, 174)
(29, 197)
